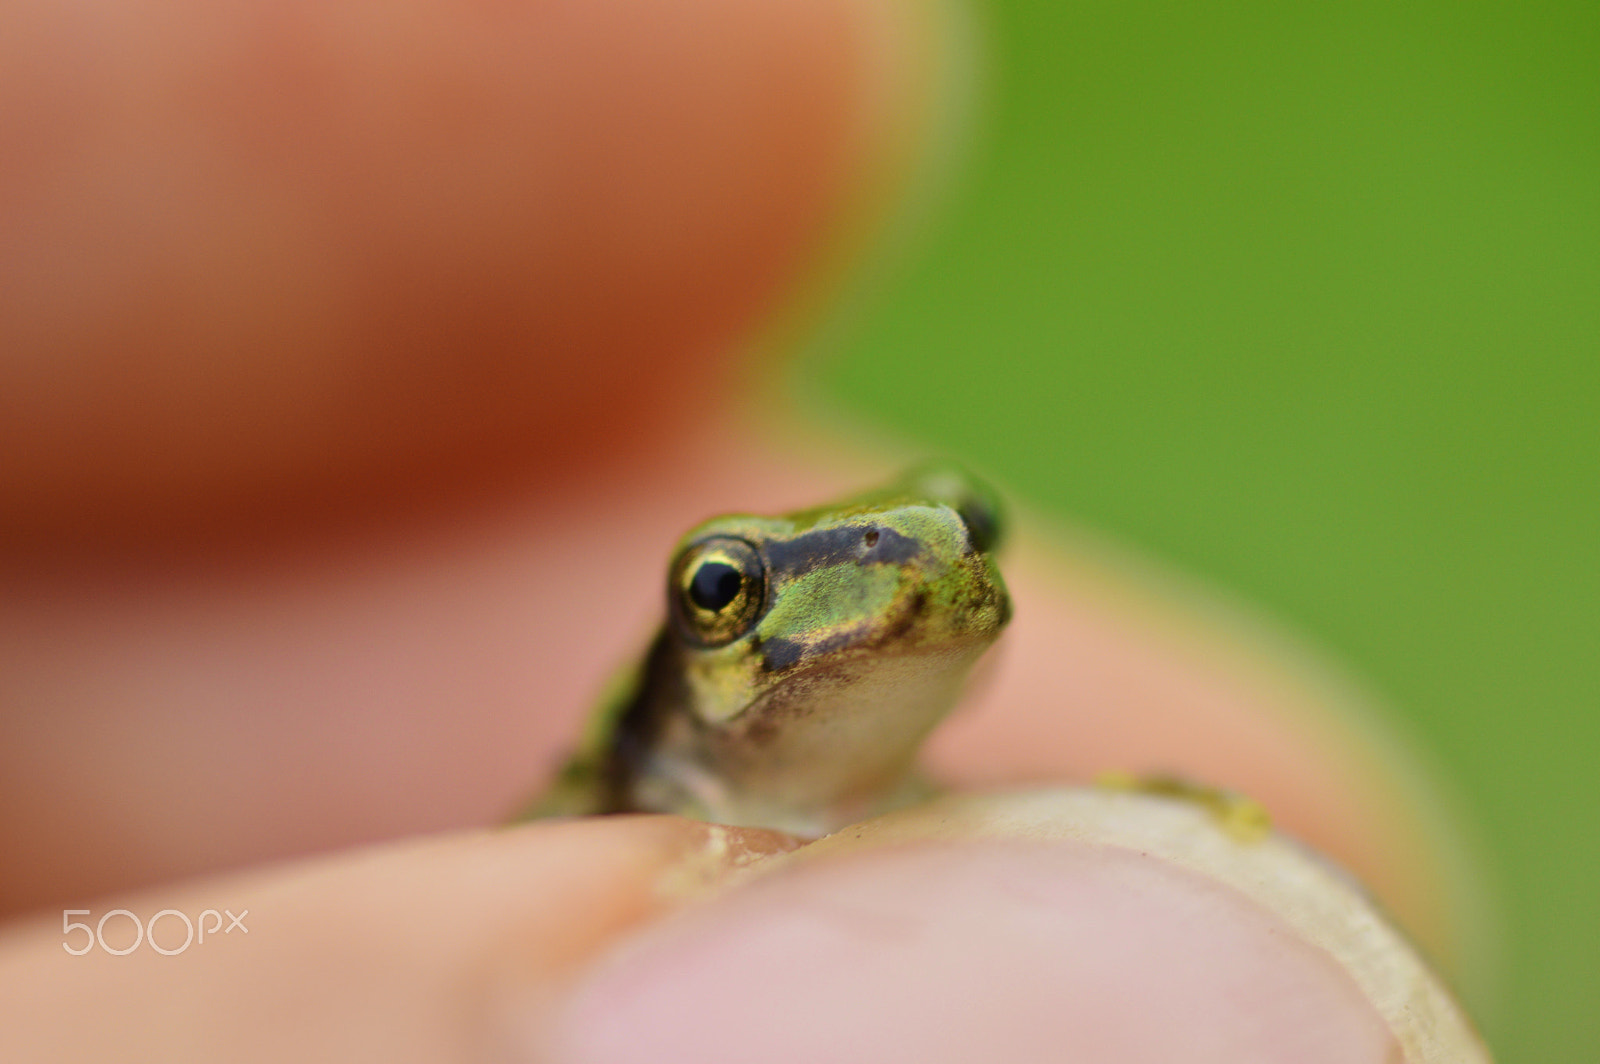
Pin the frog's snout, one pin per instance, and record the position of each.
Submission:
(960, 597)
(993, 604)
(1003, 608)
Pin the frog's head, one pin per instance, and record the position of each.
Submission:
(823, 645)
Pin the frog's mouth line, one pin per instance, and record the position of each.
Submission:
(850, 683)
(782, 655)
(785, 659)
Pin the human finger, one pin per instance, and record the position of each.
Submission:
(1022, 925)
(262, 264)
(1034, 926)
(426, 950)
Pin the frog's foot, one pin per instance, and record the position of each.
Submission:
(1243, 818)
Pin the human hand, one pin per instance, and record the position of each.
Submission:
(250, 612)
(1021, 927)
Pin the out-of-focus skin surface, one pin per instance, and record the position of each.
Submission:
(262, 260)
(358, 366)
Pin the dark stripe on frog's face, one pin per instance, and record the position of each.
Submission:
(865, 544)
(855, 546)
(780, 653)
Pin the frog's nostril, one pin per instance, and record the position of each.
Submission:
(871, 538)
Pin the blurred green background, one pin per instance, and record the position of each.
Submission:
(1306, 299)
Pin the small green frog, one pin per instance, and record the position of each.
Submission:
(803, 661)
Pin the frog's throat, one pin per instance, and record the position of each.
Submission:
(825, 747)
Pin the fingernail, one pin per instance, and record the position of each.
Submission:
(967, 951)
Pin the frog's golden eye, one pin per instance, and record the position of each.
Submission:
(717, 589)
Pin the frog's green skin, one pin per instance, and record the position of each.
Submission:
(824, 645)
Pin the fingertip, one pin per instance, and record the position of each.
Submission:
(1026, 927)
(976, 953)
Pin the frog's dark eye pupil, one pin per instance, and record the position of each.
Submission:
(715, 584)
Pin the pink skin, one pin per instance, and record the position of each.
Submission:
(257, 606)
